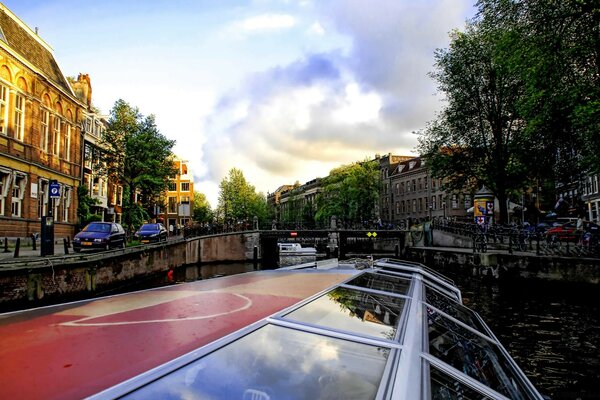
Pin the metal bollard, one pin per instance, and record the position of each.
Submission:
(6, 245)
(66, 244)
(510, 241)
(255, 257)
(33, 242)
(17, 247)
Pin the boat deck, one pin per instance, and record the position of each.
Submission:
(79, 349)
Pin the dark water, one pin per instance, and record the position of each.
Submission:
(551, 329)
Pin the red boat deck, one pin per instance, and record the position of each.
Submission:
(75, 350)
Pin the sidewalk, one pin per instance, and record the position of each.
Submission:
(28, 252)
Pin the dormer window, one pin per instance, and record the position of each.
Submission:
(411, 164)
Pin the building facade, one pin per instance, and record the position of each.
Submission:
(415, 195)
(591, 197)
(179, 198)
(40, 135)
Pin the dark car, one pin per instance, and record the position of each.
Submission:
(149, 233)
(99, 235)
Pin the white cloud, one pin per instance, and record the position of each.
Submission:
(266, 22)
(316, 29)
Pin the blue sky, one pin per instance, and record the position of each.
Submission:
(283, 90)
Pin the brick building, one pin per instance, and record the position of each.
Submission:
(179, 198)
(40, 135)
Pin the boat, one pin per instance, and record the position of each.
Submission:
(383, 329)
(293, 254)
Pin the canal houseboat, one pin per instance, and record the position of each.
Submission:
(386, 330)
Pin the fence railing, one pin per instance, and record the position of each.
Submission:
(518, 239)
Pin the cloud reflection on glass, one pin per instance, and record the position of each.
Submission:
(277, 363)
(353, 311)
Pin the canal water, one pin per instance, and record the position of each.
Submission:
(551, 329)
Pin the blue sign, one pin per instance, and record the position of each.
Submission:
(55, 190)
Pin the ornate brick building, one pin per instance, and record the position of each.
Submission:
(40, 135)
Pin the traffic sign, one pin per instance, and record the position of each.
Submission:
(372, 234)
(55, 190)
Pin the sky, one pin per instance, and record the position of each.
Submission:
(283, 90)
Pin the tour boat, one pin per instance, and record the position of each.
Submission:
(387, 329)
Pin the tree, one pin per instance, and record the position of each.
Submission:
(478, 137)
(557, 55)
(138, 156)
(350, 192)
(201, 211)
(85, 203)
(239, 201)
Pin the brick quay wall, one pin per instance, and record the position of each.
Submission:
(39, 281)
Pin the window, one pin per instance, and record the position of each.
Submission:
(414, 205)
(18, 191)
(414, 185)
(185, 199)
(172, 187)
(66, 200)
(454, 201)
(19, 117)
(87, 156)
(56, 136)
(172, 205)
(119, 195)
(185, 186)
(420, 185)
(467, 202)
(5, 180)
(44, 130)
(43, 194)
(3, 109)
(67, 153)
(433, 203)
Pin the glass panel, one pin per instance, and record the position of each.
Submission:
(353, 311)
(441, 289)
(452, 308)
(472, 355)
(444, 387)
(277, 363)
(386, 283)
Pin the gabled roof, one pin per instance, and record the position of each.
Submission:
(24, 42)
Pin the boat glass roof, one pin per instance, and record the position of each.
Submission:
(452, 308)
(350, 310)
(445, 387)
(386, 283)
(275, 362)
(472, 354)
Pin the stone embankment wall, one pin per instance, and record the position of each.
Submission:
(503, 265)
(33, 282)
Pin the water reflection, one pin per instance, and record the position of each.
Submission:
(551, 329)
(277, 363)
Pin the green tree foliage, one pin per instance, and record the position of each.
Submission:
(521, 84)
(558, 57)
(85, 203)
(478, 137)
(138, 156)
(239, 201)
(350, 192)
(201, 211)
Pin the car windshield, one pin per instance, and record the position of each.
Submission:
(97, 228)
(149, 227)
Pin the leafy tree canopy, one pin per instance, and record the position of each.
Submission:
(202, 211)
(137, 155)
(239, 201)
(350, 192)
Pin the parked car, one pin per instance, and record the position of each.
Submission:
(149, 233)
(567, 231)
(99, 235)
